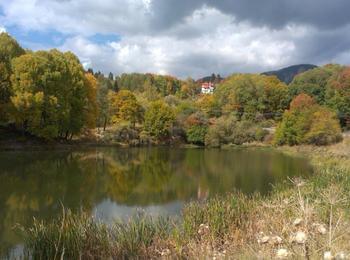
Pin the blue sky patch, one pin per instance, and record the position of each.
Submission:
(37, 39)
(104, 38)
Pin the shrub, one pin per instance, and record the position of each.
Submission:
(196, 134)
(325, 128)
(228, 130)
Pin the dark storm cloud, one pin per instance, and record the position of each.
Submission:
(323, 46)
(273, 13)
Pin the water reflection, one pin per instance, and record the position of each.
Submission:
(115, 182)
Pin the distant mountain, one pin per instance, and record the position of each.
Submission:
(213, 79)
(287, 74)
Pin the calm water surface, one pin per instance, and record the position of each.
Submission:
(114, 183)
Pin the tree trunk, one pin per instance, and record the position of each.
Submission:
(105, 124)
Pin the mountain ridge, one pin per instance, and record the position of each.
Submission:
(287, 74)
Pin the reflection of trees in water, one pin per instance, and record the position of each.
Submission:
(35, 183)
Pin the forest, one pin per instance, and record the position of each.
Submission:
(49, 95)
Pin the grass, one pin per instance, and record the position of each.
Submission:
(78, 236)
(306, 219)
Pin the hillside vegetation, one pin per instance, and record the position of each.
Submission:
(49, 95)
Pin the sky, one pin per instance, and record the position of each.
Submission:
(184, 37)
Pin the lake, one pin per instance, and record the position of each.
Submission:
(116, 182)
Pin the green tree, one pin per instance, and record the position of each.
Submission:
(9, 49)
(159, 119)
(313, 82)
(196, 126)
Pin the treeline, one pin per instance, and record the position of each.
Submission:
(50, 95)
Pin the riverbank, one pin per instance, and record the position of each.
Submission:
(11, 140)
(299, 219)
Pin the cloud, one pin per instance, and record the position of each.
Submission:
(2, 29)
(272, 13)
(188, 38)
(221, 51)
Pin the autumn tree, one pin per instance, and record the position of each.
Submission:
(189, 89)
(9, 49)
(126, 108)
(338, 95)
(249, 95)
(159, 119)
(92, 111)
(50, 87)
(306, 122)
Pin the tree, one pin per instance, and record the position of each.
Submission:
(115, 86)
(103, 97)
(306, 122)
(248, 95)
(111, 76)
(9, 49)
(313, 82)
(92, 106)
(55, 80)
(159, 118)
(196, 126)
(189, 89)
(338, 95)
(126, 108)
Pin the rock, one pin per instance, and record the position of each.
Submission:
(340, 256)
(165, 252)
(297, 221)
(282, 253)
(264, 240)
(203, 229)
(327, 255)
(321, 229)
(276, 240)
(300, 237)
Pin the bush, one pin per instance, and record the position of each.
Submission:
(228, 130)
(196, 134)
(124, 132)
(325, 128)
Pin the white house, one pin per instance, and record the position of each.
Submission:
(207, 88)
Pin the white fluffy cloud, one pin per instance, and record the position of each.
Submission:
(224, 47)
(184, 38)
(2, 29)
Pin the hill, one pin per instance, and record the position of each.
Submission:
(213, 79)
(287, 74)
